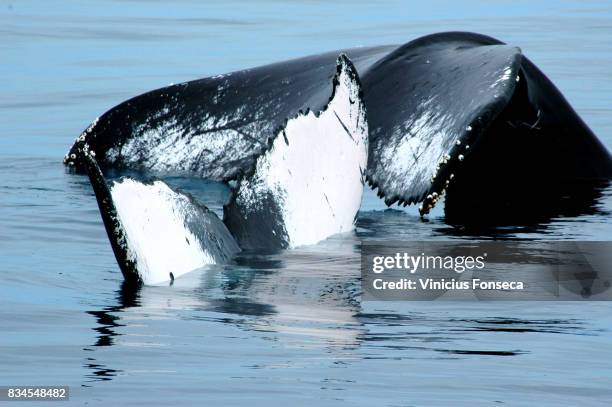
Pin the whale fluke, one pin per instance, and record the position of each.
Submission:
(308, 185)
(305, 187)
(157, 234)
(477, 121)
(456, 116)
(448, 88)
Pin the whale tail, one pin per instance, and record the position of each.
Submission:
(157, 233)
(455, 117)
(306, 187)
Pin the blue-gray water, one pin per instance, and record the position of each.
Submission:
(287, 329)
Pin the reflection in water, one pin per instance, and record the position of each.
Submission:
(309, 299)
(127, 297)
(107, 322)
(307, 296)
(557, 326)
(99, 372)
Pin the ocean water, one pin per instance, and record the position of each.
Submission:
(283, 329)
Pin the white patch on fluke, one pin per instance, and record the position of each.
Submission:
(314, 168)
(158, 239)
(504, 77)
(410, 160)
(172, 145)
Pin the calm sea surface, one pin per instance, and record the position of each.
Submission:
(288, 329)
